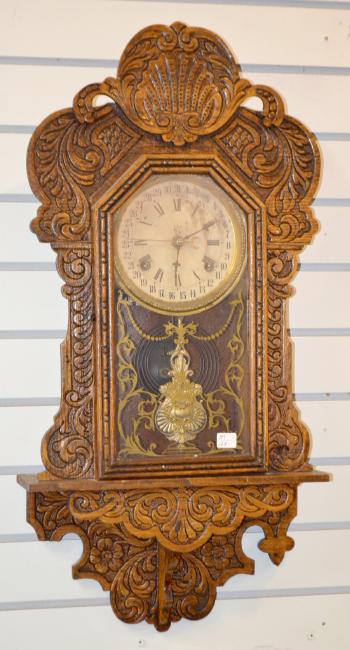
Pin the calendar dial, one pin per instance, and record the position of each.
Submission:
(179, 243)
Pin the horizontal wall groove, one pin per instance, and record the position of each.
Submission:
(329, 267)
(322, 397)
(12, 470)
(17, 128)
(296, 4)
(29, 401)
(18, 198)
(113, 63)
(30, 198)
(331, 202)
(60, 334)
(28, 266)
(293, 592)
(325, 461)
(315, 331)
(32, 334)
(103, 601)
(307, 527)
(55, 401)
(309, 267)
(321, 135)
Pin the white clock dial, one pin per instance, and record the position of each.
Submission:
(179, 243)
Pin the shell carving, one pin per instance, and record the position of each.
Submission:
(177, 81)
(181, 106)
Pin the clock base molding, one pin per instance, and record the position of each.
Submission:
(163, 547)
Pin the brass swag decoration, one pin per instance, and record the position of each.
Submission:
(149, 412)
(161, 534)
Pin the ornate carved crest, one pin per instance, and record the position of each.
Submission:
(161, 540)
(179, 82)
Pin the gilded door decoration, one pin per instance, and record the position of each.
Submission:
(209, 409)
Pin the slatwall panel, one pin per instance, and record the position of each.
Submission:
(48, 51)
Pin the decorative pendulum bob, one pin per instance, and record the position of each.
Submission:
(180, 415)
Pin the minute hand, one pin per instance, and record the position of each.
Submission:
(205, 227)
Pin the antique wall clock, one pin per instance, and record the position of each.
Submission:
(177, 215)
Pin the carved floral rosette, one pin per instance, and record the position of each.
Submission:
(162, 553)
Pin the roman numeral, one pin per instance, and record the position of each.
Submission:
(196, 275)
(159, 275)
(177, 280)
(213, 242)
(158, 208)
(177, 204)
(195, 210)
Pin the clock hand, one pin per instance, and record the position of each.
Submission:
(177, 264)
(205, 227)
(139, 241)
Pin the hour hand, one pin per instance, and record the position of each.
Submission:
(176, 267)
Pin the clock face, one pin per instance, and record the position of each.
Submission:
(179, 243)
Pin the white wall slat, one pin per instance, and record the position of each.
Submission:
(42, 306)
(296, 621)
(18, 243)
(48, 576)
(33, 366)
(328, 247)
(318, 301)
(319, 364)
(321, 502)
(329, 425)
(65, 82)
(104, 29)
(335, 180)
(21, 430)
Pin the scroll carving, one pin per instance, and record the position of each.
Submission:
(67, 448)
(282, 163)
(159, 577)
(162, 540)
(180, 518)
(288, 438)
(67, 160)
(179, 82)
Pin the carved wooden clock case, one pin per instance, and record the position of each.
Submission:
(177, 216)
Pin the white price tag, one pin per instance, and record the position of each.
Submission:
(226, 440)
